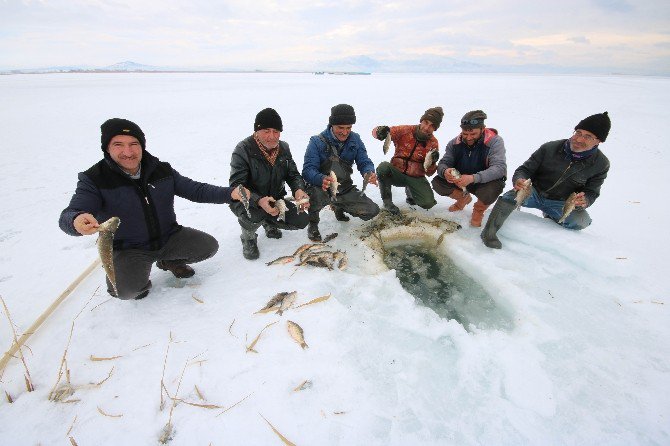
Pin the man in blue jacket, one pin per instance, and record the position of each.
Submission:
(336, 149)
(137, 187)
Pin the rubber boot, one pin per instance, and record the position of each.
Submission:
(462, 200)
(313, 231)
(271, 231)
(339, 214)
(410, 200)
(177, 267)
(478, 213)
(385, 191)
(499, 214)
(249, 245)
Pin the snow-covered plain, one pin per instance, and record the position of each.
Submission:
(586, 360)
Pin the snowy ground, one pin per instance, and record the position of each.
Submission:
(587, 360)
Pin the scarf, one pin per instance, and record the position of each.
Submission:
(269, 154)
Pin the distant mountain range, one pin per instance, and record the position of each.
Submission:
(351, 65)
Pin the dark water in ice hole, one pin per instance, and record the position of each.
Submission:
(439, 284)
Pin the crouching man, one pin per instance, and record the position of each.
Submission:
(137, 187)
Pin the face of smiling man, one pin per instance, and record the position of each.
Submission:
(126, 151)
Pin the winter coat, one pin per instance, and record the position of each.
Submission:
(555, 175)
(352, 150)
(249, 167)
(485, 160)
(410, 153)
(144, 206)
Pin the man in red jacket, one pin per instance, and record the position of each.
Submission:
(413, 144)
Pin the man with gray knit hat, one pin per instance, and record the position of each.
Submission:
(478, 156)
(413, 144)
(263, 163)
(573, 169)
(137, 187)
(336, 149)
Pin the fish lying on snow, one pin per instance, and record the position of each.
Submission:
(283, 260)
(297, 333)
(277, 300)
(523, 193)
(287, 303)
(329, 237)
(105, 244)
(568, 207)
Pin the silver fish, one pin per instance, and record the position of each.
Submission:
(277, 299)
(311, 250)
(366, 180)
(456, 174)
(387, 143)
(281, 206)
(341, 258)
(334, 184)
(321, 259)
(428, 161)
(105, 244)
(568, 206)
(523, 193)
(287, 302)
(307, 247)
(244, 199)
(298, 203)
(329, 237)
(297, 333)
(281, 260)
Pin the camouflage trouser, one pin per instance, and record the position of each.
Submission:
(132, 266)
(293, 220)
(419, 187)
(487, 193)
(352, 203)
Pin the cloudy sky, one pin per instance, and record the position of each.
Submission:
(596, 35)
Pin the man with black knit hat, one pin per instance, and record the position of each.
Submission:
(556, 170)
(263, 163)
(413, 143)
(478, 155)
(137, 187)
(336, 149)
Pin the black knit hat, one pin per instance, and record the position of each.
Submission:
(117, 126)
(342, 114)
(473, 120)
(598, 124)
(434, 115)
(268, 118)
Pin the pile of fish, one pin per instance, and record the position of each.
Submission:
(315, 254)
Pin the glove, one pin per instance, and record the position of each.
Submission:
(435, 155)
(382, 132)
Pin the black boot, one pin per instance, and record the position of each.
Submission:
(410, 200)
(339, 214)
(271, 231)
(177, 267)
(385, 191)
(249, 246)
(499, 214)
(313, 231)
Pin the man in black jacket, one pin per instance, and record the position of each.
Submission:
(137, 187)
(263, 163)
(556, 170)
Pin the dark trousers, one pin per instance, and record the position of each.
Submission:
(352, 203)
(132, 266)
(293, 220)
(487, 193)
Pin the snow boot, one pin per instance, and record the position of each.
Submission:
(410, 200)
(385, 191)
(339, 214)
(271, 231)
(249, 245)
(462, 200)
(499, 214)
(478, 213)
(177, 267)
(313, 231)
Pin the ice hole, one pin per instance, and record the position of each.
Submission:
(431, 276)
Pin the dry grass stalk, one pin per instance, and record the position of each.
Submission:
(103, 302)
(162, 404)
(71, 426)
(102, 412)
(226, 410)
(199, 393)
(250, 348)
(657, 302)
(268, 310)
(197, 300)
(315, 300)
(63, 363)
(166, 434)
(110, 358)
(9, 397)
(284, 439)
(204, 406)
(306, 384)
(72, 442)
(29, 383)
(167, 430)
(142, 346)
(230, 328)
